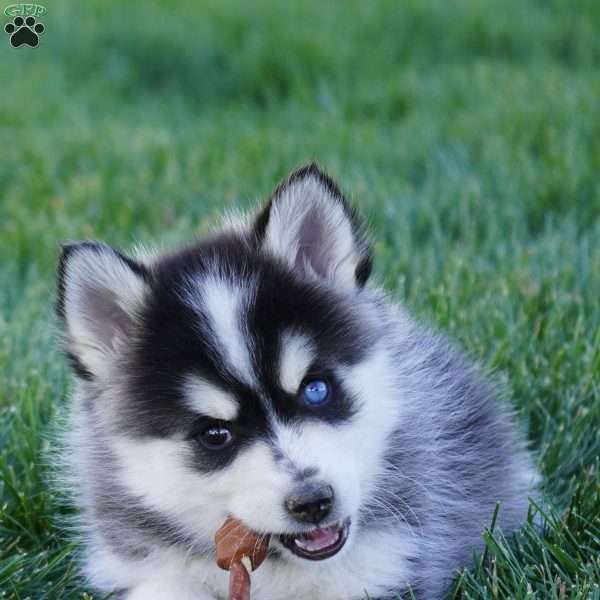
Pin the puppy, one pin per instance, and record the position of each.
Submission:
(257, 374)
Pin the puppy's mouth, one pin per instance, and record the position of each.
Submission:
(319, 543)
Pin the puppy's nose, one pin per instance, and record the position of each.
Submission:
(310, 503)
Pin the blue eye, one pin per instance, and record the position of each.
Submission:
(315, 392)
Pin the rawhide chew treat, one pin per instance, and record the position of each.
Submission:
(239, 582)
(240, 551)
(235, 541)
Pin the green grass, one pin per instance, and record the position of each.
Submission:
(468, 132)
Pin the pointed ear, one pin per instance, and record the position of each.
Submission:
(100, 293)
(309, 225)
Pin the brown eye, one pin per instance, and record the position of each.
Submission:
(215, 437)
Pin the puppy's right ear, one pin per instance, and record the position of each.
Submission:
(309, 226)
(100, 294)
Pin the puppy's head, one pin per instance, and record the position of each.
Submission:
(243, 375)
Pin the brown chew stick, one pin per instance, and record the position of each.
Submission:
(239, 551)
(239, 582)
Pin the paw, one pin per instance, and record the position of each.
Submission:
(24, 31)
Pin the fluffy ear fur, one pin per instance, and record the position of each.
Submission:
(99, 294)
(309, 225)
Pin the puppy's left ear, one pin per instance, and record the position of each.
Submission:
(309, 225)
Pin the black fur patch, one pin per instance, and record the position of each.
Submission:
(174, 341)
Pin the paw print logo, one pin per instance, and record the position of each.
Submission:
(24, 31)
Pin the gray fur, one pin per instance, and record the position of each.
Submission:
(456, 453)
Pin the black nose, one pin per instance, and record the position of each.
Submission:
(310, 503)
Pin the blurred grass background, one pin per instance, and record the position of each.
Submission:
(467, 131)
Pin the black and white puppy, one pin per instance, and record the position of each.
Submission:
(256, 374)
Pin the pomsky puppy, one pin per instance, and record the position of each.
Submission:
(256, 374)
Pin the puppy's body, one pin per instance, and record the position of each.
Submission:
(385, 483)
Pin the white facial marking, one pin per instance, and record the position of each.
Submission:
(295, 357)
(206, 399)
(224, 304)
(345, 453)
(159, 473)
(155, 470)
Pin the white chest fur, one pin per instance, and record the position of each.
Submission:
(371, 568)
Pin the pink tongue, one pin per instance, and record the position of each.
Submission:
(318, 539)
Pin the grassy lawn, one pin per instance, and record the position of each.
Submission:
(467, 131)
